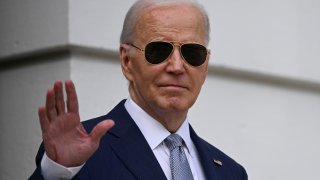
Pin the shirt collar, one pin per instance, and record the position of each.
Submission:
(152, 130)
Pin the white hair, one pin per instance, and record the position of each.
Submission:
(128, 30)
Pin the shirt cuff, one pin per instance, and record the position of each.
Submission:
(53, 171)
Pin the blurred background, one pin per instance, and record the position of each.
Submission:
(260, 103)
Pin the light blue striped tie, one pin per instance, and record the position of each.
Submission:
(179, 165)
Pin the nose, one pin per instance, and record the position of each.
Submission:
(176, 64)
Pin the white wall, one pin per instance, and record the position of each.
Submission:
(259, 104)
(32, 25)
(271, 36)
(100, 83)
(97, 23)
(23, 87)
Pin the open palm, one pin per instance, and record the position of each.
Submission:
(65, 140)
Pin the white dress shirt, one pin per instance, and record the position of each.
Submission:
(154, 133)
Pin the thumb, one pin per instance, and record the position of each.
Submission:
(100, 129)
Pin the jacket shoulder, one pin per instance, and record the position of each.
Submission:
(116, 113)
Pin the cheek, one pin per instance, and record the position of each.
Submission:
(199, 76)
(143, 78)
(136, 71)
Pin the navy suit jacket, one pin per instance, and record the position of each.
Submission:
(124, 154)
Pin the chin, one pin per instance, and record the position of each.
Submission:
(176, 104)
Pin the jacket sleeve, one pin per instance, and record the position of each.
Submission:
(37, 175)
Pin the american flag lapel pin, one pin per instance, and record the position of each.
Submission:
(217, 162)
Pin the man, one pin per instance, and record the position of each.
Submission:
(164, 57)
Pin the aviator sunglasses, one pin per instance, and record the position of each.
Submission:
(157, 52)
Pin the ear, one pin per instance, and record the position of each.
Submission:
(125, 60)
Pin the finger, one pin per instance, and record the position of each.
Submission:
(60, 107)
(72, 100)
(51, 105)
(44, 121)
(100, 129)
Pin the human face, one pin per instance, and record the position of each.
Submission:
(173, 86)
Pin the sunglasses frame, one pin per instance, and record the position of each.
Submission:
(173, 44)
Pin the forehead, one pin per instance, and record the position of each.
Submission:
(171, 22)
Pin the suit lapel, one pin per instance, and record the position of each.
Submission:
(132, 148)
(207, 157)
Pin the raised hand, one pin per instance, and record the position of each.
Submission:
(65, 139)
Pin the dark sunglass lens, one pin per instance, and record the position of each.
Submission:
(157, 52)
(194, 54)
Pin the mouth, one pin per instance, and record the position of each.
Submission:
(173, 86)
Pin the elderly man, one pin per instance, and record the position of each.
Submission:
(164, 57)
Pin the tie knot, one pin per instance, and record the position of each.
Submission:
(173, 141)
